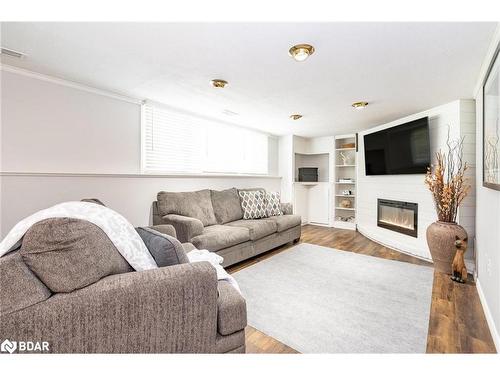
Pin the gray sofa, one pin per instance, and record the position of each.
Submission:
(87, 299)
(213, 220)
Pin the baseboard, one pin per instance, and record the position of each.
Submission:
(489, 316)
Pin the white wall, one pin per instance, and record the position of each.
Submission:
(411, 188)
(487, 220)
(60, 142)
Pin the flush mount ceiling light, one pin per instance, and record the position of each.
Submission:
(218, 83)
(295, 116)
(360, 105)
(12, 53)
(300, 52)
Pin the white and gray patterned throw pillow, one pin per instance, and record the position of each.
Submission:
(253, 203)
(273, 204)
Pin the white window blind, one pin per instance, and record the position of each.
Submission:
(174, 142)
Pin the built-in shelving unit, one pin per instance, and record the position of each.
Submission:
(344, 210)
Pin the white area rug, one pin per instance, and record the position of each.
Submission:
(322, 300)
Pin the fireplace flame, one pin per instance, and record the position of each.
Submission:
(398, 217)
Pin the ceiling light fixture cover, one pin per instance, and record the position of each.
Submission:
(295, 117)
(219, 83)
(300, 52)
(360, 105)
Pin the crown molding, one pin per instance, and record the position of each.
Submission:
(67, 83)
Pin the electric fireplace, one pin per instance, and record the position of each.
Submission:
(398, 216)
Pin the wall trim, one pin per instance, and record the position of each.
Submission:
(68, 83)
(489, 317)
(131, 175)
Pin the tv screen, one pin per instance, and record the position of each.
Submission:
(403, 149)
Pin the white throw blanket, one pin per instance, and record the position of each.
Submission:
(115, 226)
(216, 261)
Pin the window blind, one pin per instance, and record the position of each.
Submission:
(174, 142)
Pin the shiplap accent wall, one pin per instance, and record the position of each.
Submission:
(459, 117)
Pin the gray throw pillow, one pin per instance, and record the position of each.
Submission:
(68, 254)
(166, 250)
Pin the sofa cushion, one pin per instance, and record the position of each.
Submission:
(216, 237)
(19, 287)
(166, 250)
(231, 309)
(68, 254)
(273, 204)
(285, 222)
(253, 204)
(196, 204)
(227, 206)
(258, 228)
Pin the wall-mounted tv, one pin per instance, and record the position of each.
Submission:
(402, 149)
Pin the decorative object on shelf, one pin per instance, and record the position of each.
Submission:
(447, 182)
(346, 203)
(458, 267)
(491, 125)
(296, 116)
(344, 158)
(347, 219)
(346, 192)
(348, 145)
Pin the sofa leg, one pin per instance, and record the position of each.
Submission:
(296, 240)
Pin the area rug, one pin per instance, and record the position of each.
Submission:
(322, 300)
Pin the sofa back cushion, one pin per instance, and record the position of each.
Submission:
(19, 287)
(166, 250)
(196, 204)
(68, 254)
(227, 206)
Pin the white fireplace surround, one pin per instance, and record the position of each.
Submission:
(460, 117)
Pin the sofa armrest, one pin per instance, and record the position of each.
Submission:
(231, 309)
(287, 208)
(185, 227)
(165, 229)
(164, 310)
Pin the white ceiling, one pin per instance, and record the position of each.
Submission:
(400, 68)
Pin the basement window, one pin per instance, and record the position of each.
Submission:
(174, 142)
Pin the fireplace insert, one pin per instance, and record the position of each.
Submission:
(398, 216)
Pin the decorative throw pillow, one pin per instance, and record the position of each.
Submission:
(166, 250)
(253, 203)
(273, 207)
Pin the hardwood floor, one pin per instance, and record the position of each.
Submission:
(456, 322)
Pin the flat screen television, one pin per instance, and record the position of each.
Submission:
(402, 149)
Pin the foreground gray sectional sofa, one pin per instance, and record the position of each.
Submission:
(213, 220)
(68, 286)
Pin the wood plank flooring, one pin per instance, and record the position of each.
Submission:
(456, 322)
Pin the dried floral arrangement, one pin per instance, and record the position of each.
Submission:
(446, 180)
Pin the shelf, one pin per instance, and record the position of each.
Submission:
(346, 183)
(346, 209)
(347, 165)
(344, 196)
(346, 149)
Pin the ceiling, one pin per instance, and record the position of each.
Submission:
(399, 68)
